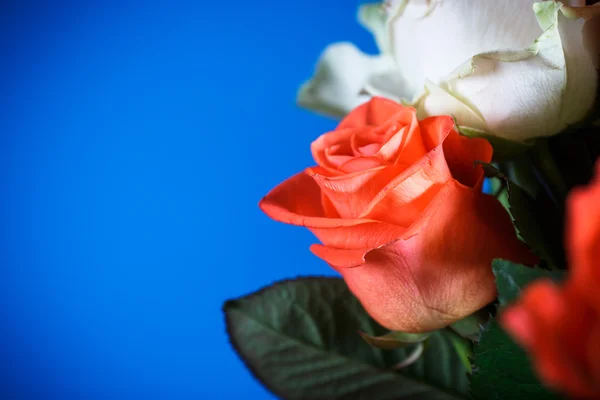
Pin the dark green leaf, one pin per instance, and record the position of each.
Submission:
(539, 224)
(520, 172)
(501, 369)
(300, 338)
(511, 278)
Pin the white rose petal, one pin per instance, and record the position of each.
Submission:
(373, 17)
(525, 93)
(340, 76)
(514, 69)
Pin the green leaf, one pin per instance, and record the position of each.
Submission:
(501, 369)
(503, 199)
(538, 222)
(520, 171)
(300, 339)
(512, 278)
(394, 340)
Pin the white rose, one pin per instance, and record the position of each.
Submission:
(512, 69)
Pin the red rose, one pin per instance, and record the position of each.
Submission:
(397, 205)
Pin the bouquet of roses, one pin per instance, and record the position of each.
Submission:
(457, 200)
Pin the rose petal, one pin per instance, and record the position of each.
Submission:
(297, 201)
(376, 112)
(462, 153)
(360, 164)
(583, 237)
(350, 194)
(592, 347)
(321, 148)
(346, 247)
(438, 101)
(542, 88)
(389, 84)
(392, 147)
(403, 198)
(341, 73)
(405, 146)
(373, 17)
(344, 258)
(377, 193)
(437, 273)
(581, 67)
(577, 331)
(435, 130)
(431, 38)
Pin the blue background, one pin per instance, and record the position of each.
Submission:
(136, 141)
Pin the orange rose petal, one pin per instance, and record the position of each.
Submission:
(390, 149)
(461, 154)
(460, 151)
(518, 322)
(367, 235)
(412, 209)
(369, 150)
(583, 238)
(403, 117)
(373, 113)
(323, 143)
(328, 207)
(576, 326)
(562, 379)
(365, 137)
(552, 357)
(547, 301)
(400, 138)
(360, 164)
(297, 201)
(435, 130)
(350, 194)
(424, 284)
(339, 258)
(413, 147)
(407, 189)
(593, 355)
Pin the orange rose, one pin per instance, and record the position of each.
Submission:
(560, 325)
(397, 204)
